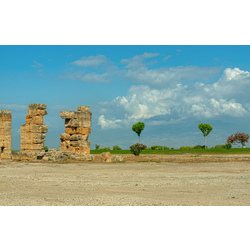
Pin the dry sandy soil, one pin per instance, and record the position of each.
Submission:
(185, 180)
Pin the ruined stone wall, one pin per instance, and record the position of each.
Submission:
(33, 133)
(77, 129)
(5, 134)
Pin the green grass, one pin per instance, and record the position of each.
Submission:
(181, 151)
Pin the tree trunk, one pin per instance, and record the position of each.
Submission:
(139, 139)
(205, 143)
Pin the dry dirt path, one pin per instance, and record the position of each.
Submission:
(125, 184)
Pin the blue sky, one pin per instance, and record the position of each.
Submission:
(170, 88)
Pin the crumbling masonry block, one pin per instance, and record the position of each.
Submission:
(33, 133)
(5, 134)
(77, 130)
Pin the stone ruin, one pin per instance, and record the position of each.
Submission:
(74, 142)
(33, 132)
(5, 134)
(77, 130)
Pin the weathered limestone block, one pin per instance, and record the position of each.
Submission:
(67, 114)
(83, 131)
(65, 144)
(83, 108)
(33, 141)
(65, 137)
(37, 112)
(65, 149)
(5, 115)
(31, 146)
(81, 151)
(34, 128)
(34, 120)
(117, 158)
(106, 157)
(30, 135)
(27, 156)
(78, 137)
(77, 123)
(37, 106)
(5, 134)
(80, 144)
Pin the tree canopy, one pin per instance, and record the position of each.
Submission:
(138, 127)
(205, 128)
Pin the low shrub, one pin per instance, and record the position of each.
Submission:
(156, 147)
(116, 147)
(186, 147)
(105, 148)
(137, 148)
(220, 146)
(199, 147)
(148, 148)
(228, 146)
(165, 148)
(172, 148)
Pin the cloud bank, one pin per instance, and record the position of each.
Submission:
(226, 97)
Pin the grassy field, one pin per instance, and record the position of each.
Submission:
(181, 151)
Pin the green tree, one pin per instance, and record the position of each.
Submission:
(137, 128)
(205, 129)
(97, 147)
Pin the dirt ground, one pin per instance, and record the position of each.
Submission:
(183, 180)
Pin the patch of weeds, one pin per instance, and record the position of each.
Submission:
(136, 185)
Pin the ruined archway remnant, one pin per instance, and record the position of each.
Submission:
(77, 129)
(33, 133)
(5, 134)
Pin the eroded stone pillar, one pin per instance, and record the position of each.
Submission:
(77, 130)
(33, 133)
(5, 134)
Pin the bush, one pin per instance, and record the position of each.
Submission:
(220, 146)
(45, 148)
(137, 148)
(116, 147)
(105, 148)
(156, 147)
(228, 146)
(97, 147)
(199, 147)
(148, 148)
(186, 147)
(165, 148)
(172, 148)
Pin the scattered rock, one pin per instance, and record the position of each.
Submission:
(106, 157)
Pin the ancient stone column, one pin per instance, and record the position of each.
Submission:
(5, 134)
(77, 129)
(33, 133)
